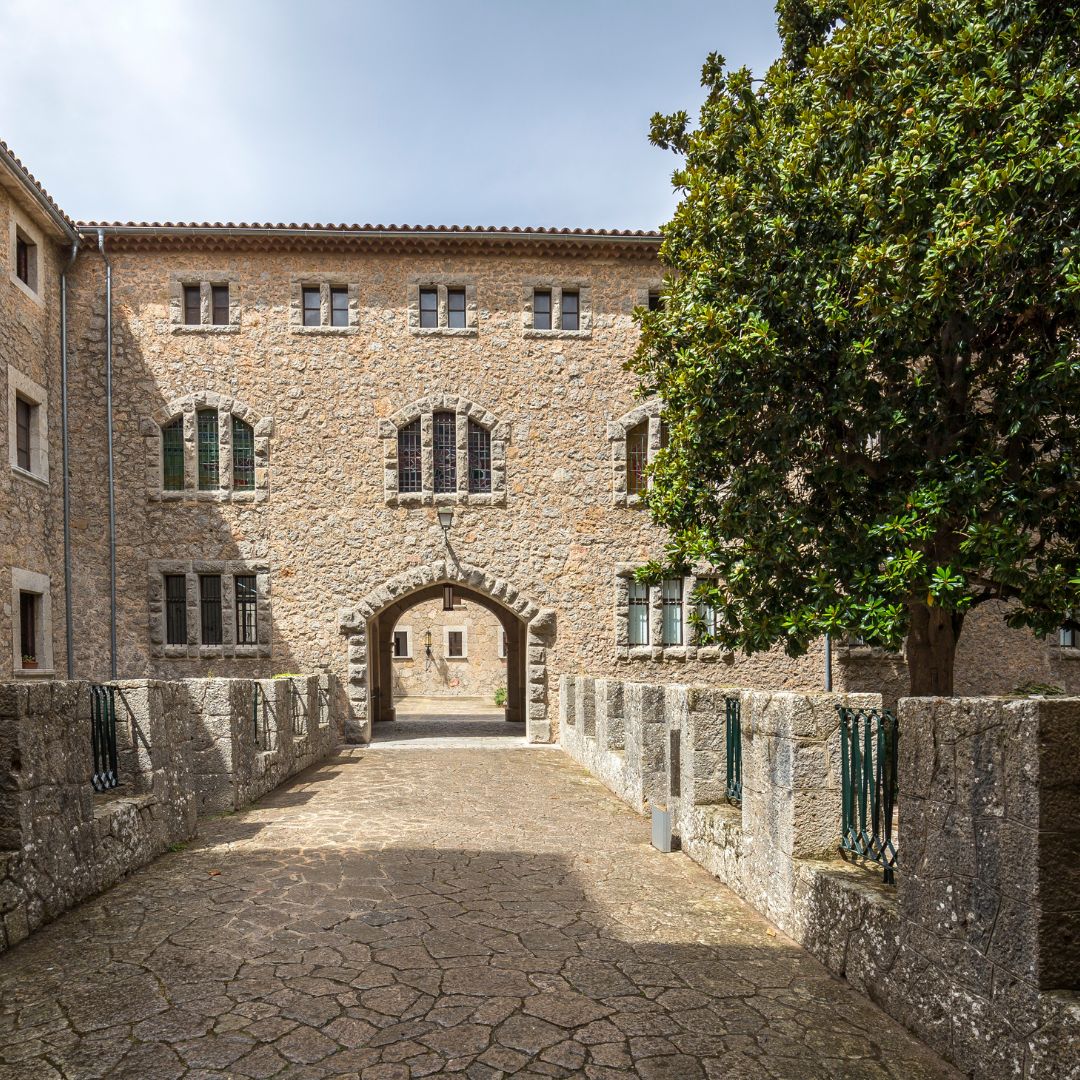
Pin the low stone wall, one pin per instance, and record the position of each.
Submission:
(184, 748)
(976, 949)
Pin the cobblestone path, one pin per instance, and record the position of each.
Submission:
(411, 912)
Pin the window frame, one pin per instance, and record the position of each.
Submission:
(307, 293)
(550, 324)
(246, 603)
(37, 586)
(176, 607)
(444, 291)
(463, 631)
(243, 454)
(620, 434)
(213, 316)
(406, 632)
(208, 449)
(22, 388)
(24, 424)
(192, 305)
(25, 267)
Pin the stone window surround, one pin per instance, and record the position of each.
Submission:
(441, 283)
(408, 654)
(464, 631)
(617, 433)
(28, 581)
(324, 283)
(624, 573)
(227, 407)
(641, 294)
(191, 569)
(582, 287)
(21, 385)
(22, 226)
(465, 410)
(204, 280)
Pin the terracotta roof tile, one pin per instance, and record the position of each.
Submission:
(369, 228)
(33, 183)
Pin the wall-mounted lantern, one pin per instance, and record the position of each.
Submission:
(446, 518)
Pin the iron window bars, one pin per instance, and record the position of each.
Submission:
(410, 458)
(247, 626)
(207, 430)
(479, 458)
(172, 455)
(210, 608)
(175, 609)
(638, 624)
(672, 611)
(243, 451)
(637, 458)
(444, 445)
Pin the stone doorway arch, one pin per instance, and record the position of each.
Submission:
(368, 627)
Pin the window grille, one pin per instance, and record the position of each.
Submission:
(175, 609)
(312, 306)
(542, 309)
(455, 308)
(207, 423)
(247, 632)
(637, 458)
(429, 307)
(28, 606)
(210, 608)
(24, 414)
(339, 306)
(444, 444)
(708, 619)
(410, 458)
(639, 613)
(192, 305)
(671, 602)
(455, 643)
(172, 455)
(479, 458)
(570, 311)
(219, 303)
(243, 452)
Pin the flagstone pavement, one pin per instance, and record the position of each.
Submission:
(410, 910)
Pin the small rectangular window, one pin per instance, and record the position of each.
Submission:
(429, 307)
(312, 306)
(707, 613)
(455, 308)
(638, 627)
(210, 608)
(24, 422)
(247, 626)
(570, 311)
(455, 643)
(339, 306)
(192, 305)
(401, 643)
(175, 609)
(671, 601)
(22, 260)
(655, 300)
(207, 423)
(542, 309)
(1067, 638)
(502, 644)
(219, 295)
(28, 620)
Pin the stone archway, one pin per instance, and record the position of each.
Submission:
(530, 631)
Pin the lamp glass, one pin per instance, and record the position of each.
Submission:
(446, 518)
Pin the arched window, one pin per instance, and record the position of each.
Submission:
(410, 458)
(207, 444)
(479, 459)
(243, 455)
(637, 458)
(444, 448)
(172, 455)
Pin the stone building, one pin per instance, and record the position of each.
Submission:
(286, 442)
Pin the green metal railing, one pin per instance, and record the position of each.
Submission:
(103, 737)
(256, 706)
(868, 761)
(733, 732)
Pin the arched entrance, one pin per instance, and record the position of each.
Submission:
(369, 628)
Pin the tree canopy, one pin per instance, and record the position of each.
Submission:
(868, 347)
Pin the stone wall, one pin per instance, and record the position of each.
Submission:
(184, 748)
(975, 948)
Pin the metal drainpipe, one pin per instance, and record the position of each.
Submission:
(828, 663)
(68, 617)
(112, 478)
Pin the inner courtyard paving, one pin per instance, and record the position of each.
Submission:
(458, 905)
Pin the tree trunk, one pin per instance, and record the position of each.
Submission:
(931, 649)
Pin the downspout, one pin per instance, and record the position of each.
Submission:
(828, 663)
(112, 478)
(68, 617)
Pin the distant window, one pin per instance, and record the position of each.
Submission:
(570, 311)
(172, 455)
(24, 425)
(339, 306)
(247, 625)
(479, 458)
(410, 458)
(429, 307)
(207, 425)
(243, 451)
(402, 644)
(312, 306)
(192, 305)
(455, 644)
(23, 249)
(502, 643)
(175, 609)
(219, 296)
(1067, 638)
(656, 301)
(671, 601)
(639, 613)
(455, 308)
(637, 458)
(210, 608)
(28, 626)
(542, 309)
(444, 451)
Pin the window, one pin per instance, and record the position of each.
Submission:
(207, 428)
(672, 605)
(192, 305)
(210, 609)
(243, 452)
(28, 628)
(429, 308)
(1067, 637)
(542, 309)
(455, 309)
(637, 458)
(247, 627)
(172, 455)
(23, 259)
(339, 306)
(707, 614)
(502, 643)
(24, 415)
(219, 297)
(312, 306)
(479, 458)
(656, 301)
(638, 628)
(410, 458)
(570, 312)
(23, 262)
(455, 643)
(175, 609)
(444, 445)
(31, 623)
(402, 644)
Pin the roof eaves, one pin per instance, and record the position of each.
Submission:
(26, 179)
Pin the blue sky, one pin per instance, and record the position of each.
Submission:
(484, 112)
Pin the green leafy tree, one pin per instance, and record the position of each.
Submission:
(868, 350)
